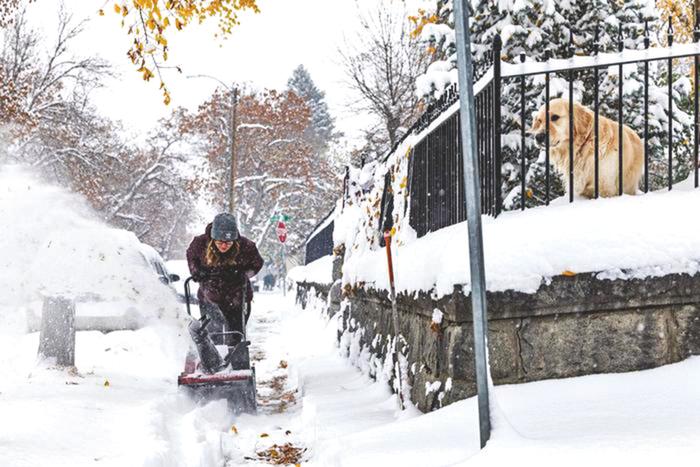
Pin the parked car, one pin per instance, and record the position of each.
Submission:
(116, 281)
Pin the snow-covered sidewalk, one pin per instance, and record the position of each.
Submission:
(123, 408)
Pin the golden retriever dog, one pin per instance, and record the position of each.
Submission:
(584, 149)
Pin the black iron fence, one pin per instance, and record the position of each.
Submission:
(435, 173)
(320, 244)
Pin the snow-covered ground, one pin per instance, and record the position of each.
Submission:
(122, 407)
(627, 236)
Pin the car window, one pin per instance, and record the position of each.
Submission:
(161, 270)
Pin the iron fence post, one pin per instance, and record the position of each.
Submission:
(620, 127)
(572, 112)
(547, 56)
(497, 44)
(522, 137)
(596, 115)
(696, 38)
(646, 109)
(670, 106)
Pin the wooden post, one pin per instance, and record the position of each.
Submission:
(57, 336)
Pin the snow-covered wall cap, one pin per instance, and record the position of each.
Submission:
(509, 70)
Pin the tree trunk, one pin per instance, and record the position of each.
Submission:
(57, 337)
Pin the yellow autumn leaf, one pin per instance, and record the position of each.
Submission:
(568, 273)
(234, 429)
(106, 383)
(117, 9)
(101, 12)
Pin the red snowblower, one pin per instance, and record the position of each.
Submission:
(221, 371)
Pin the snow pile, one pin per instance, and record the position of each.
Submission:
(52, 243)
(628, 236)
(317, 272)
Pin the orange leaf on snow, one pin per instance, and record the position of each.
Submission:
(568, 273)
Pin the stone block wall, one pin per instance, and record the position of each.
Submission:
(572, 326)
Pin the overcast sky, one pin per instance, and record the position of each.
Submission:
(263, 50)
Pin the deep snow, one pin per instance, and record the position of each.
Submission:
(312, 397)
(121, 406)
(628, 236)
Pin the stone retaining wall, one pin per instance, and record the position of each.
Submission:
(572, 326)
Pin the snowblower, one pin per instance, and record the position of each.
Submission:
(215, 372)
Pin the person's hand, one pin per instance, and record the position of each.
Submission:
(198, 276)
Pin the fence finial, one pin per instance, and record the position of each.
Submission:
(522, 57)
(571, 43)
(620, 39)
(647, 42)
(596, 43)
(497, 44)
(670, 31)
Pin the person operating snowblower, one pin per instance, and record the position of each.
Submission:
(222, 261)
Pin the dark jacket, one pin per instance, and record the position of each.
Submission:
(226, 284)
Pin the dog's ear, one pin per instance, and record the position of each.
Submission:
(536, 122)
(583, 123)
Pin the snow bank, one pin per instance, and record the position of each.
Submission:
(628, 236)
(51, 242)
(318, 272)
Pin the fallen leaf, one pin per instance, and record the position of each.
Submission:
(264, 435)
(283, 364)
(568, 273)
(234, 429)
(106, 383)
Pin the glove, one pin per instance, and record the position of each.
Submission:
(198, 276)
(233, 275)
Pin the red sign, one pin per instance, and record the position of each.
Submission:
(282, 231)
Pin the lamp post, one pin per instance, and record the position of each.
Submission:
(233, 92)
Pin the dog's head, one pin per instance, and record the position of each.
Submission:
(559, 115)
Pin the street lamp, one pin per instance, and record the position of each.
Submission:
(233, 92)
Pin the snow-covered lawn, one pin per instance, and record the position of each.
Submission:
(310, 396)
(627, 236)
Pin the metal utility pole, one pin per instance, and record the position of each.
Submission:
(233, 92)
(232, 149)
(473, 200)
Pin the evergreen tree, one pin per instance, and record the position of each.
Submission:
(322, 124)
(533, 28)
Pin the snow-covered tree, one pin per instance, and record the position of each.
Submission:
(322, 125)
(51, 125)
(276, 173)
(535, 28)
(381, 68)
